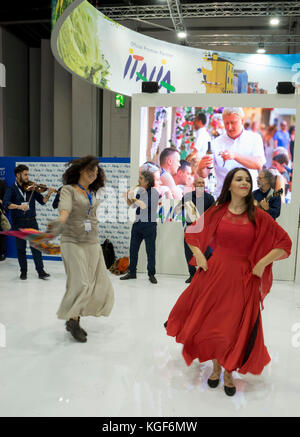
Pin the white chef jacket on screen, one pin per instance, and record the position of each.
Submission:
(202, 140)
(247, 144)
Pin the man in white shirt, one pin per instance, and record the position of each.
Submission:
(235, 148)
(202, 136)
(170, 162)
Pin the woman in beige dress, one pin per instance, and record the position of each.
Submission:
(89, 291)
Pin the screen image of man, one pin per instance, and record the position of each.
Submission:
(184, 178)
(235, 148)
(170, 162)
(202, 136)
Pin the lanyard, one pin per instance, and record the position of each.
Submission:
(90, 195)
(21, 192)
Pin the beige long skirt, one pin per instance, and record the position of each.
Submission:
(89, 291)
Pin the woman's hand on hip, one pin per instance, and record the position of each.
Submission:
(258, 269)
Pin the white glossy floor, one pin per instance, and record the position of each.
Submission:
(129, 367)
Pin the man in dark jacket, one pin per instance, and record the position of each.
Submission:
(3, 188)
(22, 206)
(193, 204)
(264, 196)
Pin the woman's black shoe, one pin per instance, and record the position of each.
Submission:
(23, 276)
(213, 383)
(230, 391)
(77, 332)
(230, 388)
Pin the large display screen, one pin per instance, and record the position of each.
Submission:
(255, 138)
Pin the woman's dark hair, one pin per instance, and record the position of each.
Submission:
(225, 195)
(72, 174)
(148, 176)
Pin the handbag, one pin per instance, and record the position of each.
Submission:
(5, 225)
(108, 253)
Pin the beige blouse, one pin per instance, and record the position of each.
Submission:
(79, 208)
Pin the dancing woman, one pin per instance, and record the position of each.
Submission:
(218, 316)
(89, 291)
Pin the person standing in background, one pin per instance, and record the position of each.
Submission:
(202, 136)
(144, 226)
(269, 145)
(282, 136)
(201, 201)
(292, 131)
(22, 206)
(3, 188)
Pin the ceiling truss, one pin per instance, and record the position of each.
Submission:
(203, 10)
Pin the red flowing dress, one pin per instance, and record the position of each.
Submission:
(218, 315)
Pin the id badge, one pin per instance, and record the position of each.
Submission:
(25, 203)
(87, 225)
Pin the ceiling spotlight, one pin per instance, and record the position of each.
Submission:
(181, 34)
(274, 21)
(261, 48)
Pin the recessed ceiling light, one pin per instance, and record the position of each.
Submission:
(274, 21)
(181, 34)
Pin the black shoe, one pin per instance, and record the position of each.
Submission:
(76, 331)
(189, 279)
(128, 276)
(230, 391)
(68, 326)
(2, 257)
(213, 383)
(43, 275)
(152, 279)
(23, 276)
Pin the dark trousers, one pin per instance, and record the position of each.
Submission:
(143, 231)
(21, 245)
(2, 244)
(189, 255)
(2, 238)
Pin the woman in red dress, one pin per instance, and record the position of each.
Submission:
(218, 317)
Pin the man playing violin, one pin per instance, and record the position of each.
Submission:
(265, 197)
(22, 206)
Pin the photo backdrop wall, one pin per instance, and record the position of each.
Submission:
(112, 213)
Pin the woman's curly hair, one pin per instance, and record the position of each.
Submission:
(72, 174)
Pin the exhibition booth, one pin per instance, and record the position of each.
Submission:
(108, 55)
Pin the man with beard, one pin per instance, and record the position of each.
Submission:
(193, 204)
(264, 197)
(22, 206)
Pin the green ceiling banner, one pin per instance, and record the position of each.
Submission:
(108, 55)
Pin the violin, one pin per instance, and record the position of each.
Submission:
(32, 186)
